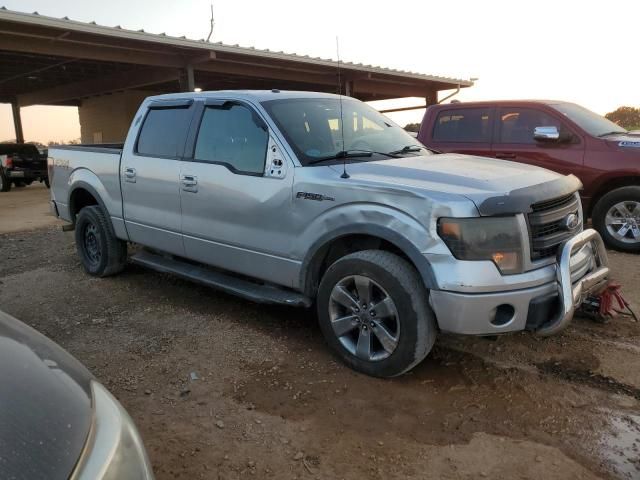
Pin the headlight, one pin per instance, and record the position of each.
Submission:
(484, 238)
(114, 449)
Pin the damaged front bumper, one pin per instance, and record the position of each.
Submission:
(545, 307)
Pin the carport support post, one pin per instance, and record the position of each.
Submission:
(17, 121)
(191, 82)
(431, 98)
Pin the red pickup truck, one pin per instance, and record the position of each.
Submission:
(560, 136)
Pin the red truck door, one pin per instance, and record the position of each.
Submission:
(513, 140)
(461, 130)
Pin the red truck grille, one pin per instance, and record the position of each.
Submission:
(547, 227)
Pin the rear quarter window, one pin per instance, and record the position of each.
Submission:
(463, 125)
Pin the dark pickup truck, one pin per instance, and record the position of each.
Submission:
(21, 164)
(560, 136)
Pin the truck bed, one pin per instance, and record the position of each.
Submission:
(91, 147)
(96, 166)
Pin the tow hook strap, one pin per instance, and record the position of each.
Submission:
(601, 307)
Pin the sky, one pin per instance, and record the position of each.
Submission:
(581, 51)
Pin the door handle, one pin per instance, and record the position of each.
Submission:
(506, 156)
(130, 174)
(189, 183)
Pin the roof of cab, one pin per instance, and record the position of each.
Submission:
(255, 95)
(494, 103)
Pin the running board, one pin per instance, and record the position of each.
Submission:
(233, 285)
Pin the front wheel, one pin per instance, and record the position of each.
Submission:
(100, 251)
(616, 217)
(374, 314)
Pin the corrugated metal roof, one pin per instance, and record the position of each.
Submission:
(118, 32)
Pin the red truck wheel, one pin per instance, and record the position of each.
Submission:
(616, 217)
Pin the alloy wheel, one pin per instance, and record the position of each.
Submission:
(364, 318)
(623, 221)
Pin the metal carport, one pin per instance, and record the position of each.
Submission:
(52, 61)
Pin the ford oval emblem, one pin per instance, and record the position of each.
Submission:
(570, 222)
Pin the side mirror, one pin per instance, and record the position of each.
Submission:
(546, 134)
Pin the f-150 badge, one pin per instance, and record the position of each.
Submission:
(314, 196)
(629, 144)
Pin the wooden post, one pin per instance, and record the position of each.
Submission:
(191, 81)
(431, 98)
(17, 121)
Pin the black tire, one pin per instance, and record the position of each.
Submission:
(598, 217)
(100, 251)
(417, 323)
(18, 183)
(5, 183)
(46, 183)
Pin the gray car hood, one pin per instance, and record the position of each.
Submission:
(45, 405)
(495, 186)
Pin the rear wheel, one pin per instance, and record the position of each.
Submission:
(373, 312)
(46, 183)
(616, 217)
(5, 183)
(100, 251)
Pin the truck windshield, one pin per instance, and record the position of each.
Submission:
(312, 126)
(590, 122)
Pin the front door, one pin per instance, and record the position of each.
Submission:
(150, 178)
(236, 196)
(514, 141)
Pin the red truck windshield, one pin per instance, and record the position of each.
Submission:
(589, 121)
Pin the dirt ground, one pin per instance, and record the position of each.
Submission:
(25, 208)
(224, 389)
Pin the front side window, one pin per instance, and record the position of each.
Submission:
(315, 127)
(163, 132)
(463, 125)
(517, 124)
(232, 136)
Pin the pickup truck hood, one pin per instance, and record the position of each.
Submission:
(624, 141)
(495, 186)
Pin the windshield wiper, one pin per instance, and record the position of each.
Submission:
(408, 149)
(342, 154)
(616, 132)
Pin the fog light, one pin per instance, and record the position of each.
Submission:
(504, 314)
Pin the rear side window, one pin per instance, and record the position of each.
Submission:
(232, 137)
(517, 124)
(163, 132)
(472, 125)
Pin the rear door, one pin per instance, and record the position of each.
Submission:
(514, 140)
(236, 212)
(150, 176)
(463, 130)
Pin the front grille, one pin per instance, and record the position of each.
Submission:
(546, 225)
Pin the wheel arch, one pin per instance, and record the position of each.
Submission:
(81, 195)
(609, 184)
(343, 241)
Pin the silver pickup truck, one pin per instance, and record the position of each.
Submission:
(300, 198)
